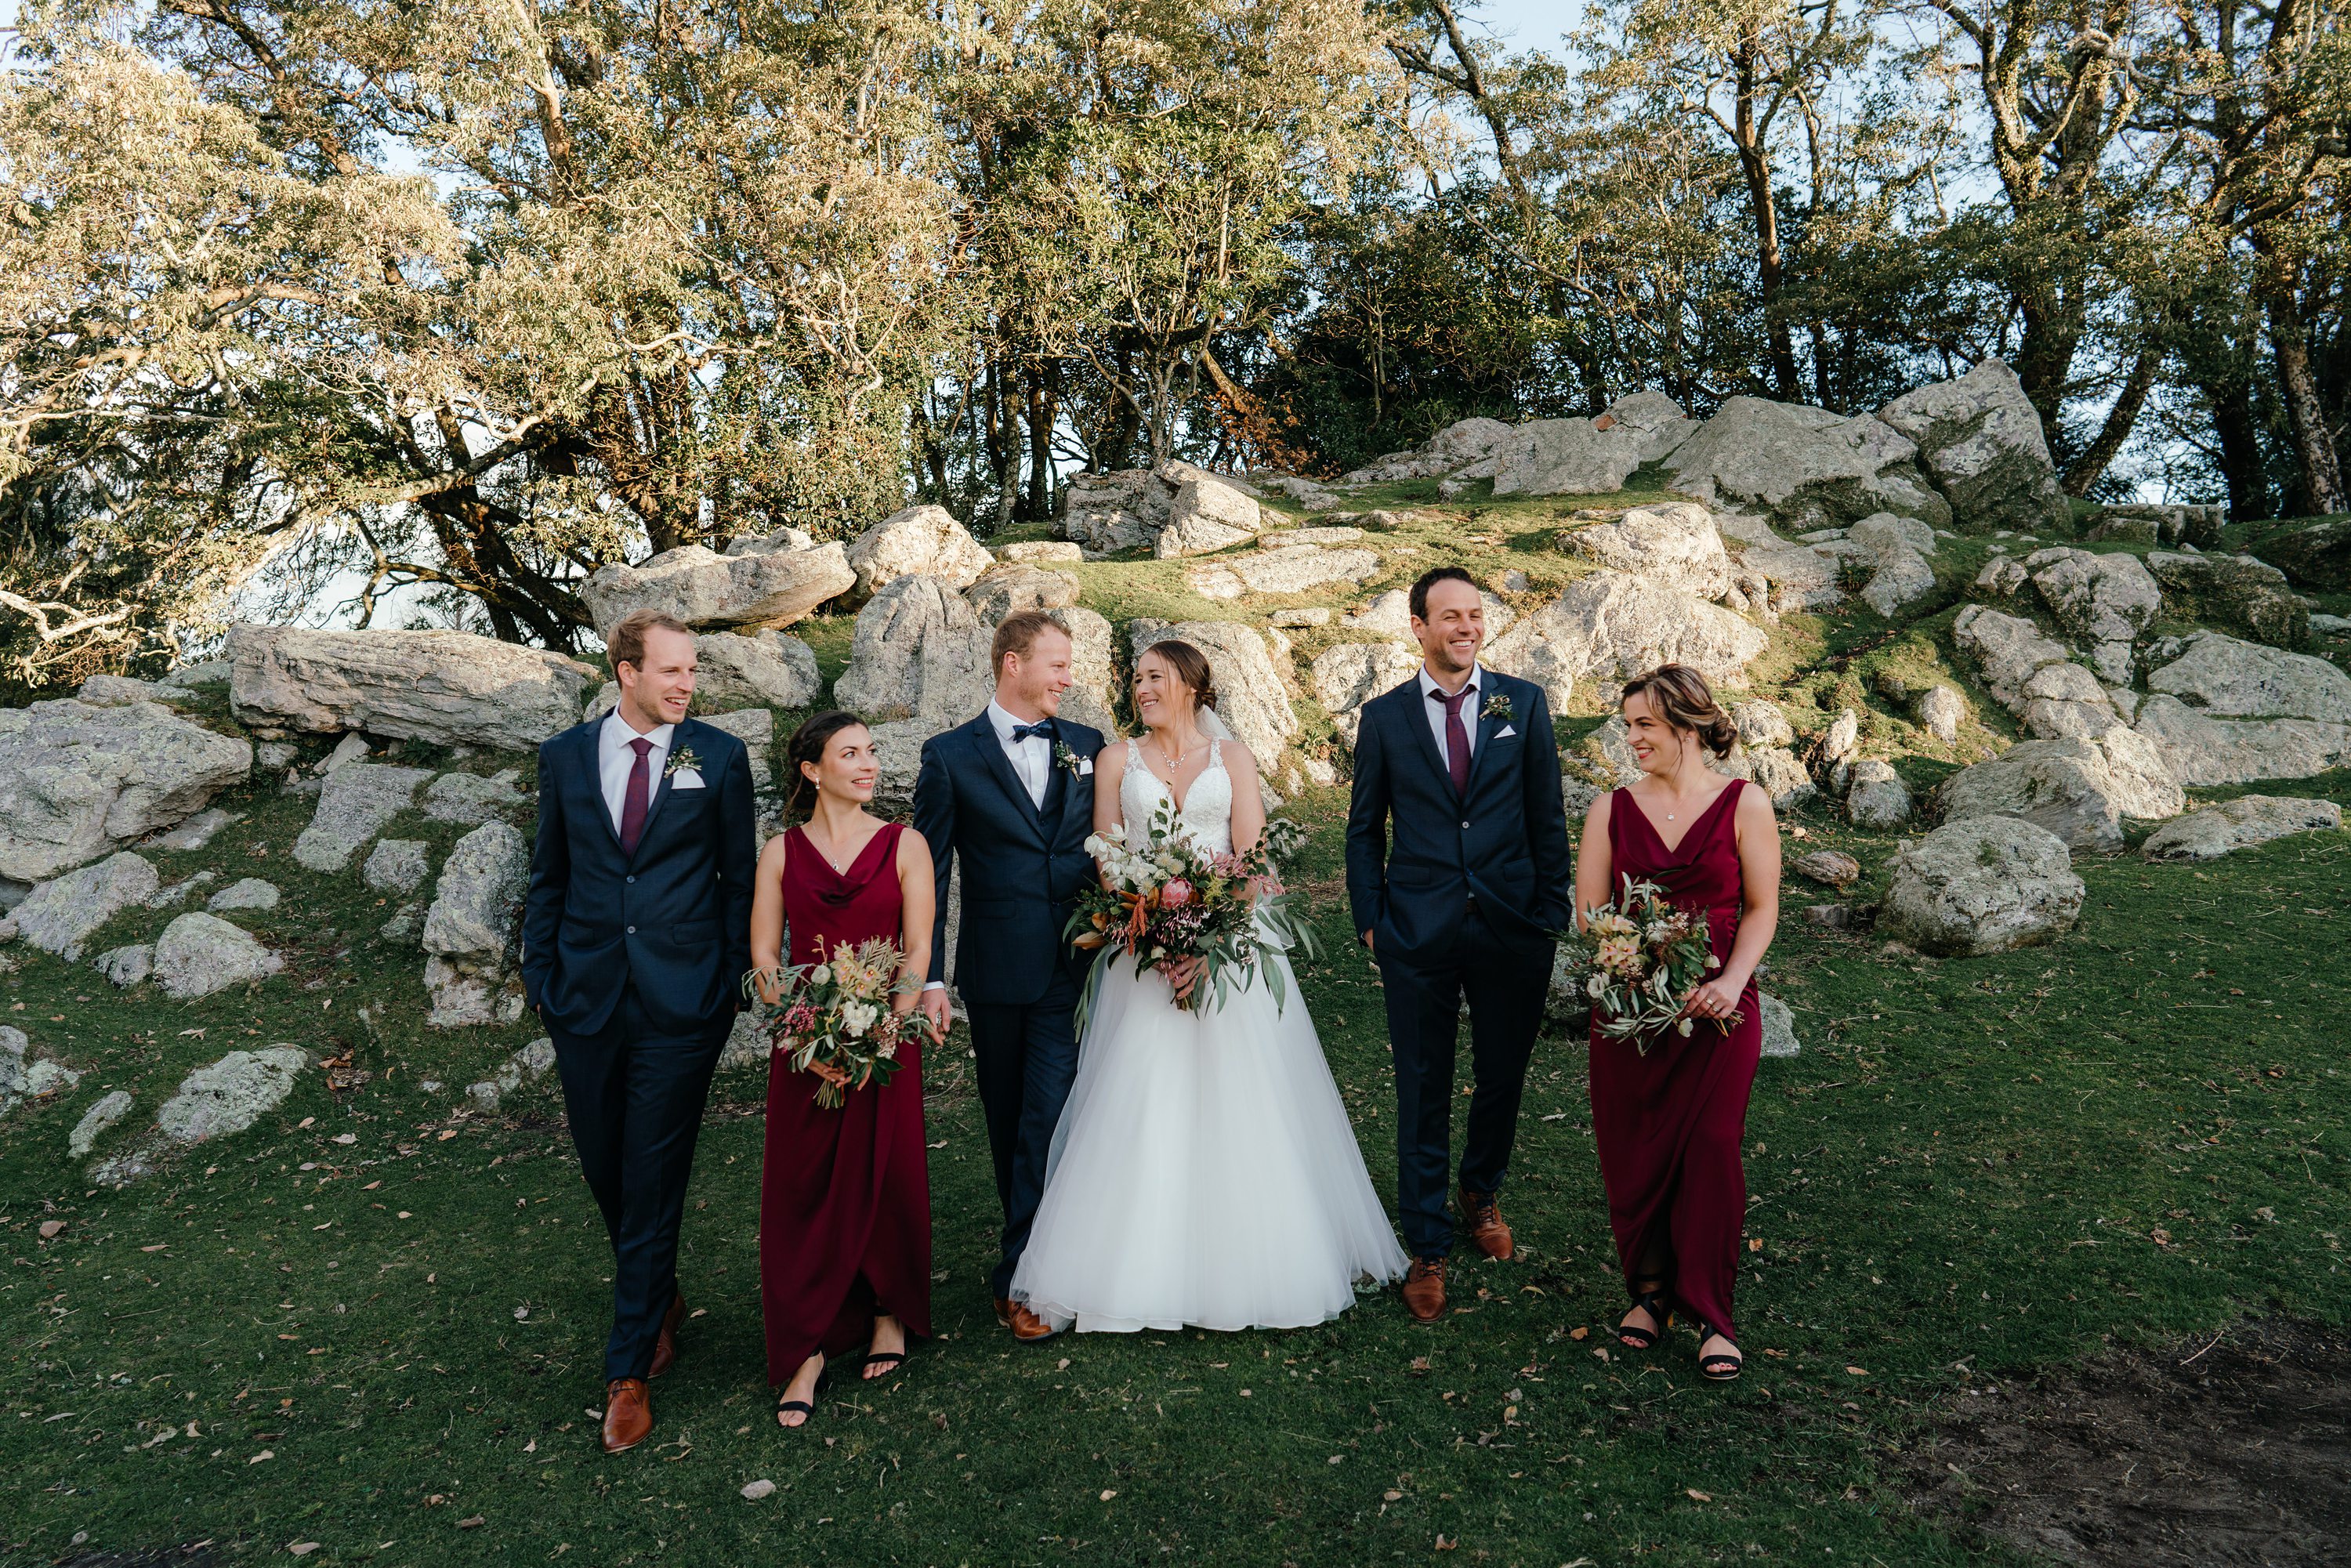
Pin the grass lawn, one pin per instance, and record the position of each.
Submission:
(375, 1322)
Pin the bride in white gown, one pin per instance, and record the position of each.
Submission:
(1203, 1172)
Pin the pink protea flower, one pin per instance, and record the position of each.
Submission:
(1176, 894)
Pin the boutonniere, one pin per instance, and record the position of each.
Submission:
(683, 760)
(1063, 757)
(1498, 706)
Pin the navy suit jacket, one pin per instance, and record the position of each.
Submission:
(674, 917)
(1022, 866)
(1504, 842)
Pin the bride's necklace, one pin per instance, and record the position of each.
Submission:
(1175, 761)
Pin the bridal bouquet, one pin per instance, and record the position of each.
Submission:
(1642, 957)
(834, 1018)
(1175, 900)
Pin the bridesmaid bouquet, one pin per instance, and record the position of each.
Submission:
(834, 1018)
(1175, 900)
(1642, 957)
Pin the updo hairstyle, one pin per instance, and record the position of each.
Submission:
(807, 745)
(1680, 697)
(1191, 667)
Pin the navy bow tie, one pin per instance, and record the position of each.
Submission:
(1042, 729)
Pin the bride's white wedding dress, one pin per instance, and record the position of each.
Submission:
(1203, 1172)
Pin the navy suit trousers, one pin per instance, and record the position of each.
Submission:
(1505, 985)
(1027, 1057)
(634, 1095)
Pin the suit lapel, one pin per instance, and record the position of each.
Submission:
(992, 757)
(1423, 738)
(591, 761)
(1486, 730)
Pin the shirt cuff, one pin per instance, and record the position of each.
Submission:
(935, 986)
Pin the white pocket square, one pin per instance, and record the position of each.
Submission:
(686, 778)
(1085, 767)
(1505, 732)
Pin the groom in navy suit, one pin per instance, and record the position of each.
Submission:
(1457, 869)
(636, 934)
(1012, 794)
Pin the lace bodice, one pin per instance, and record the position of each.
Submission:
(1207, 813)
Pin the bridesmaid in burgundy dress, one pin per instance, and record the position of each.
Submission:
(845, 1196)
(1669, 1124)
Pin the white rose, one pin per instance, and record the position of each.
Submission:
(1595, 988)
(858, 1016)
(821, 975)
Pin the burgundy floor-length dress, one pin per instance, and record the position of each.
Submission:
(1669, 1124)
(845, 1196)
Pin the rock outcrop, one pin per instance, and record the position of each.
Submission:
(60, 917)
(471, 931)
(922, 541)
(1609, 625)
(2106, 598)
(1350, 675)
(199, 953)
(355, 804)
(1674, 544)
(1805, 467)
(2316, 555)
(1984, 885)
(446, 687)
(1897, 548)
(2224, 711)
(1207, 512)
(1980, 439)
(2079, 790)
(227, 1096)
(81, 780)
(1298, 569)
(2212, 831)
(2234, 590)
(714, 593)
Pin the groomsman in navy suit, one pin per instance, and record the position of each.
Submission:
(636, 934)
(1458, 871)
(1010, 795)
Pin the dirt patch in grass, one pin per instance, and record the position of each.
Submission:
(2228, 1451)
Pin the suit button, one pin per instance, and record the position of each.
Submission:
(1465, 828)
(631, 879)
(632, 931)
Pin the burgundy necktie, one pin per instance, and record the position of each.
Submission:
(1457, 737)
(633, 804)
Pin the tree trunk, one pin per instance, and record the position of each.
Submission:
(2087, 469)
(2243, 463)
(1755, 163)
(2314, 444)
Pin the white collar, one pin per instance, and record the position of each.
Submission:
(1003, 721)
(1428, 687)
(619, 732)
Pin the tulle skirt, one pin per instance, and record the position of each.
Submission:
(1204, 1172)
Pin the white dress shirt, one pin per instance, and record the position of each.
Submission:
(1031, 755)
(615, 758)
(1436, 711)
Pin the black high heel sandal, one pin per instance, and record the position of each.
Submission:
(1721, 1367)
(888, 1360)
(807, 1407)
(1652, 1301)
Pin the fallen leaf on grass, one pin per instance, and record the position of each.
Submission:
(302, 1548)
(753, 1490)
(1392, 1495)
(473, 1523)
(1107, 1495)
(265, 1454)
(50, 1229)
(447, 1134)
(1579, 1333)
(1857, 1370)
(1697, 1496)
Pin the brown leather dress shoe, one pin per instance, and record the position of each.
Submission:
(665, 1348)
(628, 1414)
(1026, 1326)
(1486, 1227)
(1424, 1289)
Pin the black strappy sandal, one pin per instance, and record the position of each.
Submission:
(807, 1407)
(1721, 1367)
(1652, 1301)
(888, 1360)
